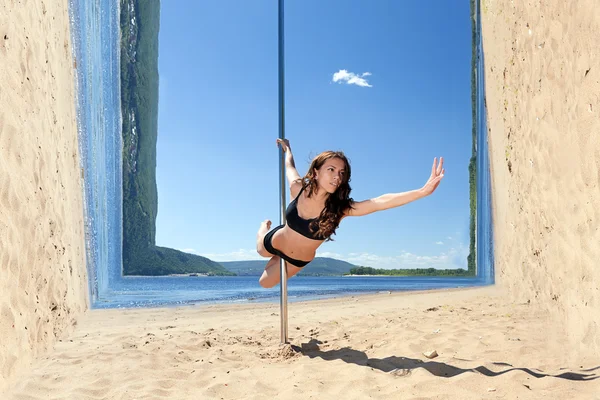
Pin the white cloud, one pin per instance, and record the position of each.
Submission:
(451, 259)
(343, 76)
(439, 242)
(335, 255)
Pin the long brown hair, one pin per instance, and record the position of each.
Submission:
(336, 203)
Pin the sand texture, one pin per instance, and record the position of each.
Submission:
(354, 348)
(543, 92)
(43, 285)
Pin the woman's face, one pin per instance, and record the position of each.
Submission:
(331, 174)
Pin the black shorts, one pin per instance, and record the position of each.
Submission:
(269, 247)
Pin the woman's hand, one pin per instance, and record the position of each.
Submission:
(437, 173)
(284, 143)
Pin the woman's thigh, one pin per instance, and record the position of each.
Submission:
(272, 274)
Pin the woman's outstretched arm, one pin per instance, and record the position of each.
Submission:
(391, 200)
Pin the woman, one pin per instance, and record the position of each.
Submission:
(320, 201)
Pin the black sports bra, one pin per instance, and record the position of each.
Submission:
(299, 224)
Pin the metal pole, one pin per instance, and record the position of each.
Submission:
(283, 284)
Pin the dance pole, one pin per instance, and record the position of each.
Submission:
(283, 284)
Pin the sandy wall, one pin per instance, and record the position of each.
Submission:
(543, 90)
(43, 282)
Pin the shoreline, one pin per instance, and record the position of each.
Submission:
(202, 275)
(267, 296)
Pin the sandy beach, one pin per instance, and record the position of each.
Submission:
(534, 335)
(362, 347)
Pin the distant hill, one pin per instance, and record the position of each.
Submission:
(319, 266)
(157, 260)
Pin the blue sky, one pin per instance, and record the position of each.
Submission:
(217, 167)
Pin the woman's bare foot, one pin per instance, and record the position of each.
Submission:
(265, 226)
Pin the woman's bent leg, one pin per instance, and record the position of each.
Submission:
(272, 274)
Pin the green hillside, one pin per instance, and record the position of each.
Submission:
(472, 257)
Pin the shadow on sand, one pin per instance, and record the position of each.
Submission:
(403, 366)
